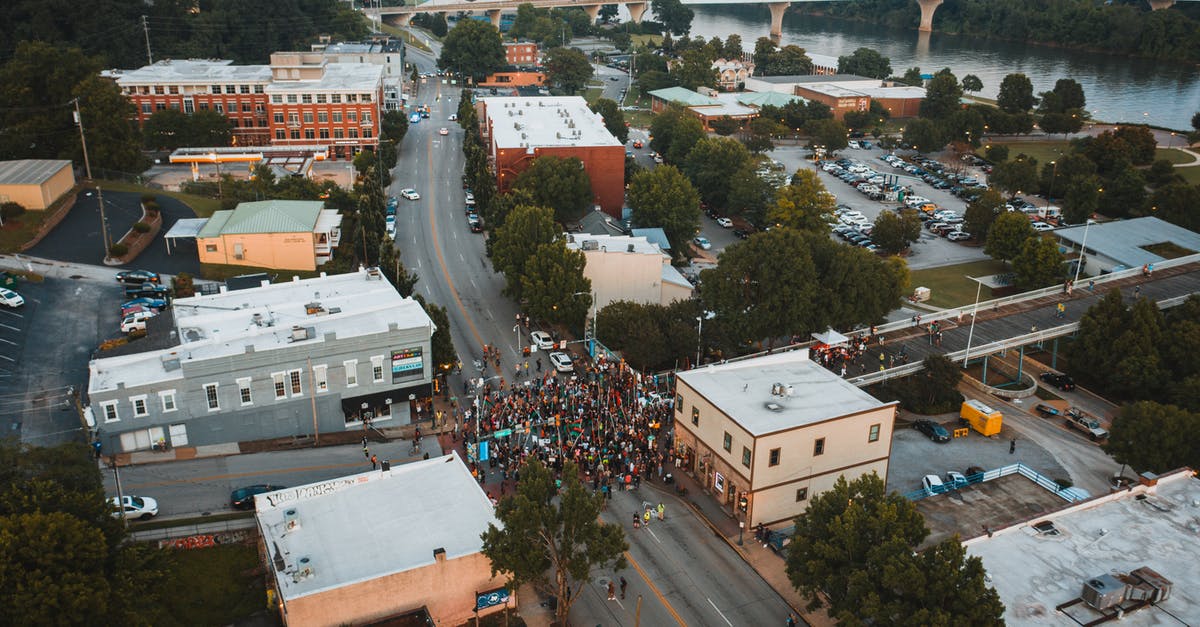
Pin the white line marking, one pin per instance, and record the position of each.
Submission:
(8, 341)
(8, 327)
(8, 358)
(473, 284)
(653, 534)
(710, 602)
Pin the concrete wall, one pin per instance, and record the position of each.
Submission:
(39, 197)
(284, 251)
(901, 107)
(620, 275)
(446, 589)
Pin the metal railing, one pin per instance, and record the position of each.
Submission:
(1069, 495)
(183, 531)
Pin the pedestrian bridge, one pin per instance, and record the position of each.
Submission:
(401, 16)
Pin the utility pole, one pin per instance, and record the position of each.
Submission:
(87, 166)
(103, 222)
(146, 31)
(112, 462)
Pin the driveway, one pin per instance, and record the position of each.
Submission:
(78, 239)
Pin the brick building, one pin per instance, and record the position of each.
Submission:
(521, 129)
(522, 54)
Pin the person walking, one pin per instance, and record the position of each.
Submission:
(623, 584)
(366, 452)
(612, 591)
(374, 461)
(1012, 446)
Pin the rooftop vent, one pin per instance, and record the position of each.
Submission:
(1046, 528)
(630, 248)
(299, 334)
(304, 570)
(314, 309)
(776, 407)
(291, 519)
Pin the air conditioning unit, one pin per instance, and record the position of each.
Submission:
(1103, 592)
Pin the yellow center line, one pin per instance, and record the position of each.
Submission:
(654, 589)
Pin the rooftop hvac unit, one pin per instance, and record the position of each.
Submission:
(304, 570)
(1150, 586)
(291, 519)
(589, 244)
(299, 334)
(630, 248)
(1103, 592)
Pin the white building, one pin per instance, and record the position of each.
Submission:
(1122, 244)
(635, 269)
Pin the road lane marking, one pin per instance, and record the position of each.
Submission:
(653, 534)
(710, 602)
(653, 588)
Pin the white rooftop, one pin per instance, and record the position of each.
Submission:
(830, 89)
(194, 71)
(337, 77)
(742, 391)
(221, 326)
(899, 91)
(1122, 240)
(729, 106)
(363, 527)
(534, 122)
(613, 244)
(823, 60)
(1156, 528)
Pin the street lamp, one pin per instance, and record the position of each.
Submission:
(1053, 175)
(1082, 251)
(974, 314)
(699, 337)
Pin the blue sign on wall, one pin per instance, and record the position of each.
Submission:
(491, 598)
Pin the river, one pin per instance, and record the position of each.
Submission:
(1118, 89)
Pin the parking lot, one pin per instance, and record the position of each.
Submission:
(45, 346)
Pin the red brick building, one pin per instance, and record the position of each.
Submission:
(521, 129)
(299, 99)
(522, 54)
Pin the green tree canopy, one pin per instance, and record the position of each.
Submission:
(665, 198)
(894, 232)
(1016, 94)
(725, 126)
(828, 133)
(804, 205)
(932, 390)
(971, 83)
(708, 165)
(1017, 175)
(789, 60)
(749, 194)
(614, 118)
(1007, 235)
(695, 70)
(924, 135)
(865, 62)
(552, 273)
(733, 47)
(942, 95)
(553, 538)
(673, 15)
(982, 212)
(562, 184)
(1038, 265)
(1176, 203)
(1154, 437)
(569, 68)
(525, 229)
(472, 48)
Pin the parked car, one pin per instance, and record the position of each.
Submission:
(470, 198)
(725, 223)
(637, 143)
(136, 321)
(1042, 226)
(9, 298)
(932, 430)
(740, 234)
(1058, 380)
(146, 290)
(474, 223)
(410, 193)
(702, 242)
(137, 277)
(958, 236)
(933, 484)
(1046, 411)
(145, 303)
(1085, 422)
(139, 507)
(542, 340)
(243, 498)
(955, 479)
(561, 362)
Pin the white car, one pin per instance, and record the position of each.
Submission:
(1042, 226)
(9, 298)
(725, 222)
(958, 236)
(136, 321)
(542, 340)
(702, 242)
(933, 484)
(140, 507)
(470, 199)
(561, 362)
(390, 225)
(443, 131)
(410, 193)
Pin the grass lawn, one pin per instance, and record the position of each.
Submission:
(19, 230)
(1190, 175)
(215, 586)
(949, 285)
(1044, 151)
(1174, 155)
(593, 93)
(641, 41)
(201, 206)
(408, 37)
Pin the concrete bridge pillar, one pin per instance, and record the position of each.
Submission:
(494, 15)
(593, 12)
(636, 10)
(777, 9)
(927, 9)
(1160, 4)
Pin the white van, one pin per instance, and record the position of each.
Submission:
(136, 321)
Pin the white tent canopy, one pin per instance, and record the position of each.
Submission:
(830, 338)
(185, 228)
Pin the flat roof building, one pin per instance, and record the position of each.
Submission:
(366, 547)
(635, 269)
(281, 234)
(1048, 568)
(1123, 244)
(521, 129)
(299, 358)
(764, 435)
(843, 92)
(35, 183)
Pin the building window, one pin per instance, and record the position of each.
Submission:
(244, 391)
(294, 382)
(218, 107)
(324, 133)
(306, 98)
(139, 406)
(210, 396)
(308, 117)
(351, 97)
(337, 116)
(366, 97)
(320, 98)
(309, 134)
(109, 410)
(338, 133)
(158, 89)
(727, 444)
(258, 89)
(773, 457)
(335, 98)
(321, 378)
(679, 403)
(276, 99)
(295, 133)
(366, 117)
(801, 494)
(352, 116)
(746, 457)
(246, 107)
(351, 372)
(244, 89)
(366, 133)
(873, 434)
(203, 105)
(293, 119)
(291, 98)
(160, 106)
(280, 134)
(323, 117)
(695, 415)
(231, 89)
(377, 368)
(280, 386)
(168, 400)
(819, 447)
(146, 108)
(353, 133)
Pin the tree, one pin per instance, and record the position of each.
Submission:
(472, 48)
(550, 274)
(608, 12)
(695, 70)
(1141, 143)
(865, 62)
(708, 163)
(1038, 265)
(394, 125)
(1016, 94)
(562, 184)
(763, 48)
(1176, 203)
(725, 126)
(733, 50)
(971, 83)
(553, 538)
(759, 133)
(568, 68)
(1162, 172)
(787, 61)
(673, 15)
(442, 342)
(1006, 238)
(938, 586)
(982, 212)
(828, 133)
(804, 205)
(1154, 437)
(942, 96)
(1124, 194)
(932, 390)
(664, 197)
(923, 135)
(526, 229)
(1016, 176)
(614, 118)
(749, 194)
(1081, 198)
(912, 76)
(392, 268)
(895, 232)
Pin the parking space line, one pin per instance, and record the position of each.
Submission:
(8, 341)
(8, 358)
(9, 327)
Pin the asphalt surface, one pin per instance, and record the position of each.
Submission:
(78, 237)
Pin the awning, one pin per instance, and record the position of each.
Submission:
(830, 338)
(186, 228)
(352, 407)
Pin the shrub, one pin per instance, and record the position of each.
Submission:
(183, 285)
(997, 153)
(148, 198)
(151, 207)
(141, 227)
(118, 250)
(10, 210)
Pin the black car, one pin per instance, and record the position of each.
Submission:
(1047, 411)
(147, 290)
(933, 430)
(137, 277)
(1058, 380)
(243, 498)
(740, 234)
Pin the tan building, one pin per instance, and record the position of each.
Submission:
(621, 267)
(385, 543)
(776, 431)
(732, 73)
(35, 183)
(283, 234)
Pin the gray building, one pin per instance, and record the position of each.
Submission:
(288, 359)
(1123, 244)
(388, 53)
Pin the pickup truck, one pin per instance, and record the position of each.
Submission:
(1085, 422)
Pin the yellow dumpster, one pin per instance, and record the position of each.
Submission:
(982, 418)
